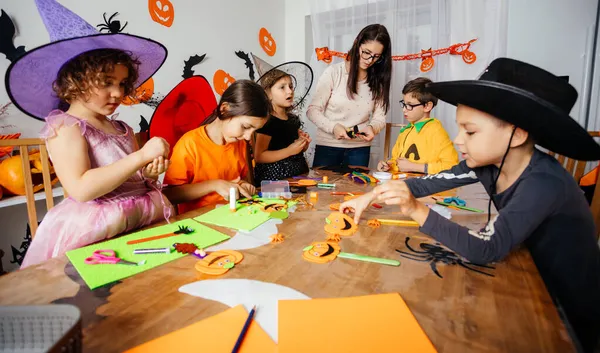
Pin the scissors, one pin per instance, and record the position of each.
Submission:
(106, 257)
(458, 201)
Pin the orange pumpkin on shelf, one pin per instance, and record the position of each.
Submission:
(12, 177)
(221, 81)
(321, 252)
(266, 41)
(340, 224)
(219, 262)
(7, 150)
(162, 12)
(141, 94)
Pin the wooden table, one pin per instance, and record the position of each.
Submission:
(462, 312)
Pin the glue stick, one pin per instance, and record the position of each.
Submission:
(232, 199)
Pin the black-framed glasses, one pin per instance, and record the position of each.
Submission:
(410, 107)
(366, 55)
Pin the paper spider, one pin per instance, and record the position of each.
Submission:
(110, 25)
(433, 253)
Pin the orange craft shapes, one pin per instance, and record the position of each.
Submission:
(221, 81)
(162, 12)
(266, 41)
(273, 207)
(340, 224)
(321, 252)
(219, 262)
(141, 94)
(277, 238)
(374, 223)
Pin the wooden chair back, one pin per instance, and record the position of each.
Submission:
(388, 137)
(23, 146)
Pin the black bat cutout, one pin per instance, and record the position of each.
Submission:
(144, 124)
(7, 34)
(189, 63)
(249, 65)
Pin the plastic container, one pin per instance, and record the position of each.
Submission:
(40, 329)
(274, 189)
(383, 176)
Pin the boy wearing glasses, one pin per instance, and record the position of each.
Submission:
(423, 145)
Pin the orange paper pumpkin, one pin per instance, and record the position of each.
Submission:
(12, 177)
(162, 12)
(4, 151)
(267, 43)
(219, 262)
(335, 206)
(321, 252)
(341, 224)
(221, 81)
(141, 94)
(469, 57)
(273, 207)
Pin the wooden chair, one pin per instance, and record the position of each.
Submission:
(23, 146)
(577, 169)
(388, 137)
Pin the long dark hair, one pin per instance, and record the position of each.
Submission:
(379, 75)
(243, 97)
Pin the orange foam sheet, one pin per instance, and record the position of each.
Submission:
(216, 334)
(376, 323)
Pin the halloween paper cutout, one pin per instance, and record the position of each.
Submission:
(191, 62)
(333, 237)
(277, 238)
(141, 94)
(335, 206)
(189, 248)
(143, 124)
(374, 223)
(7, 150)
(219, 262)
(434, 253)
(161, 12)
(340, 224)
(428, 61)
(183, 109)
(266, 41)
(12, 178)
(7, 34)
(412, 150)
(249, 65)
(110, 25)
(221, 81)
(273, 207)
(321, 252)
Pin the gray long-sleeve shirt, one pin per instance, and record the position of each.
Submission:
(546, 210)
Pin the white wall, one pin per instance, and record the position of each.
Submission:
(217, 28)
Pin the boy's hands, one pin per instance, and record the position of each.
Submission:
(382, 166)
(357, 205)
(396, 192)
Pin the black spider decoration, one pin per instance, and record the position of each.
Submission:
(249, 202)
(434, 253)
(110, 25)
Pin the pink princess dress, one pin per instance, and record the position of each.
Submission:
(73, 224)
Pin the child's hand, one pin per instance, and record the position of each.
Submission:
(156, 167)
(306, 137)
(297, 146)
(382, 166)
(405, 165)
(339, 132)
(357, 205)
(396, 192)
(222, 187)
(369, 134)
(248, 187)
(154, 148)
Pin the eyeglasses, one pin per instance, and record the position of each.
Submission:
(410, 107)
(368, 56)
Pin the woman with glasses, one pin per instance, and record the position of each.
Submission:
(351, 101)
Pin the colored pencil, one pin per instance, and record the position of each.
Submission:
(240, 339)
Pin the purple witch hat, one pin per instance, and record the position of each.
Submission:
(29, 79)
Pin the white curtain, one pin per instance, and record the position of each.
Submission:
(413, 25)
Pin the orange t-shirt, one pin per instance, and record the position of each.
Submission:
(196, 158)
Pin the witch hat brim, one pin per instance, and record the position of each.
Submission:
(29, 79)
(550, 126)
(185, 108)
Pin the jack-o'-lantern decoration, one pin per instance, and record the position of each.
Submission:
(321, 252)
(340, 224)
(266, 41)
(428, 60)
(219, 262)
(221, 81)
(162, 12)
(468, 56)
(12, 177)
(274, 207)
(6, 150)
(141, 94)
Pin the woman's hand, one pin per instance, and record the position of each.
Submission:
(339, 132)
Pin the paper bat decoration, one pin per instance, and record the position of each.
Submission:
(191, 62)
(7, 34)
(144, 124)
(249, 65)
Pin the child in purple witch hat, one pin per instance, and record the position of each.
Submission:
(111, 181)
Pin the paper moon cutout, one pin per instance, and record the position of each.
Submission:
(232, 292)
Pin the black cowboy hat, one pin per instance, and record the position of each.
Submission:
(528, 97)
